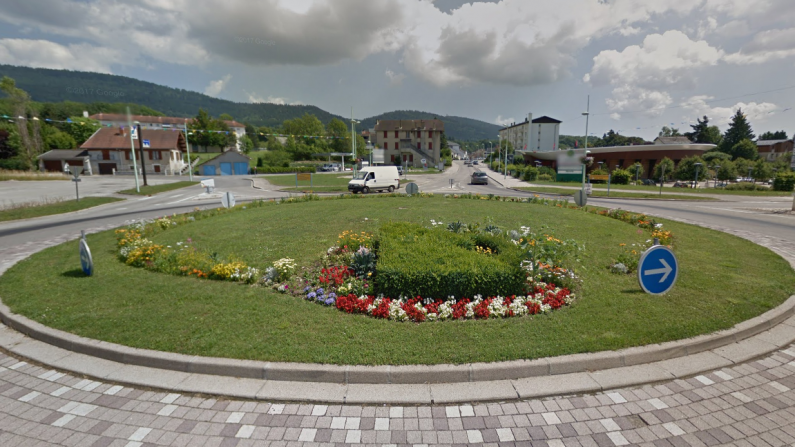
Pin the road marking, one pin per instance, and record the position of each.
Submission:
(175, 196)
(183, 200)
(146, 198)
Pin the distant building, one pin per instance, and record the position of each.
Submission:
(533, 135)
(408, 142)
(59, 160)
(165, 123)
(771, 149)
(109, 151)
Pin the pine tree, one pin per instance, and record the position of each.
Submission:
(739, 130)
(699, 134)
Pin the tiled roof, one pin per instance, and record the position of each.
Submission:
(770, 142)
(167, 120)
(116, 138)
(63, 154)
(409, 125)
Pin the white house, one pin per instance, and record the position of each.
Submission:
(533, 135)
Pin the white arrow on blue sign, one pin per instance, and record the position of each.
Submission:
(658, 270)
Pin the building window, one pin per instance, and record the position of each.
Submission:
(393, 158)
(411, 157)
(430, 145)
(386, 146)
(155, 155)
(396, 134)
(430, 134)
(408, 134)
(385, 134)
(128, 155)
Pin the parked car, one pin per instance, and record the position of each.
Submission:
(375, 178)
(336, 167)
(468, 163)
(400, 170)
(479, 178)
(327, 167)
(475, 162)
(649, 182)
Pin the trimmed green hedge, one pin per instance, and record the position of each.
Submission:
(281, 170)
(784, 181)
(418, 261)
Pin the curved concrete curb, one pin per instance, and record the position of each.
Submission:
(415, 374)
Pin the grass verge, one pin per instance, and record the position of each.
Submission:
(616, 194)
(156, 189)
(723, 280)
(32, 175)
(28, 211)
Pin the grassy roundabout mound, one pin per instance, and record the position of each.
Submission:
(723, 280)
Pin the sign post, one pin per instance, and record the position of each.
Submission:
(657, 270)
(228, 200)
(76, 171)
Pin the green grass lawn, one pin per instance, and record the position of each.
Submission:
(652, 189)
(320, 182)
(617, 194)
(67, 206)
(157, 189)
(723, 280)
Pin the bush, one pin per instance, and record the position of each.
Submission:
(784, 181)
(283, 169)
(546, 170)
(530, 174)
(621, 177)
(746, 186)
(417, 261)
(545, 177)
(13, 164)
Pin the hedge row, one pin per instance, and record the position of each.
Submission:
(417, 261)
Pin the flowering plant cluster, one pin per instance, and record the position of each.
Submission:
(627, 261)
(542, 299)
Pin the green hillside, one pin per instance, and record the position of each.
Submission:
(455, 127)
(105, 93)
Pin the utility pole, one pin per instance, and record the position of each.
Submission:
(132, 149)
(141, 147)
(587, 114)
(190, 168)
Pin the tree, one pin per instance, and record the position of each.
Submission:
(225, 117)
(703, 133)
(727, 171)
(778, 135)
(341, 137)
(9, 141)
(56, 139)
(666, 165)
(739, 130)
(251, 132)
(763, 171)
(28, 127)
(745, 149)
(637, 171)
(210, 132)
(716, 157)
(743, 166)
(246, 144)
(687, 169)
(670, 132)
(80, 129)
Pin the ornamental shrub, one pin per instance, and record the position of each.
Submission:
(785, 181)
(621, 177)
(418, 261)
(746, 186)
(545, 178)
(530, 174)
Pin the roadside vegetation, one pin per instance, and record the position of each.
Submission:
(50, 207)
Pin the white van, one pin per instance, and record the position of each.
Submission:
(375, 178)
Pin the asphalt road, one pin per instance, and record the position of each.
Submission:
(754, 214)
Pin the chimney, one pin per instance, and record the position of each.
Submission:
(529, 117)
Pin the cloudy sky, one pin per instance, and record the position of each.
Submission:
(644, 63)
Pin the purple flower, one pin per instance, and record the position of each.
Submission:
(311, 296)
(321, 298)
(307, 288)
(320, 291)
(331, 301)
(332, 295)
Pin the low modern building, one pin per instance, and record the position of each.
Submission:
(228, 163)
(533, 135)
(569, 168)
(109, 151)
(166, 122)
(771, 149)
(59, 160)
(409, 142)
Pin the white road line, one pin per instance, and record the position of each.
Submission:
(175, 196)
(183, 200)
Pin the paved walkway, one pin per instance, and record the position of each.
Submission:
(751, 404)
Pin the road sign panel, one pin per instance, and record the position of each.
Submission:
(658, 270)
(412, 188)
(146, 143)
(228, 200)
(86, 261)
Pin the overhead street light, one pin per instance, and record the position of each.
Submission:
(697, 165)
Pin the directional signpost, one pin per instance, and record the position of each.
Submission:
(76, 171)
(86, 261)
(658, 270)
(228, 200)
(412, 189)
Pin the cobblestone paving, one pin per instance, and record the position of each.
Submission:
(751, 404)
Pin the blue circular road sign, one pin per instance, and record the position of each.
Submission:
(657, 270)
(86, 262)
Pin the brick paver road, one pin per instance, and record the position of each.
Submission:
(751, 404)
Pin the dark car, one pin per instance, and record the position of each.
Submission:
(479, 178)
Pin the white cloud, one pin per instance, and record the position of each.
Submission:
(629, 31)
(504, 121)
(217, 86)
(627, 98)
(395, 79)
(766, 46)
(46, 54)
(721, 116)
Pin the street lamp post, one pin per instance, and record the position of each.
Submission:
(697, 165)
(505, 168)
(717, 170)
(749, 174)
(637, 172)
(587, 115)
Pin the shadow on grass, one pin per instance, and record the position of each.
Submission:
(74, 273)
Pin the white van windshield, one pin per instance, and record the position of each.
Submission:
(361, 175)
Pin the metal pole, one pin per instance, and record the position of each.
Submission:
(587, 117)
(143, 162)
(353, 143)
(505, 168)
(132, 149)
(662, 179)
(77, 193)
(190, 168)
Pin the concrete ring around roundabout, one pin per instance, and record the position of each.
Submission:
(419, 384)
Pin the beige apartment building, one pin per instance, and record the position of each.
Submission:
(409, 142)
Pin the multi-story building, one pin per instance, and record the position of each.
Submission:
(533, 135)
(109, 151)
(409, 142)
(165, 123)
(771, 149)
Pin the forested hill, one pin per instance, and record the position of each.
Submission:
(455, 127)
(45, 85)
(53, 86)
